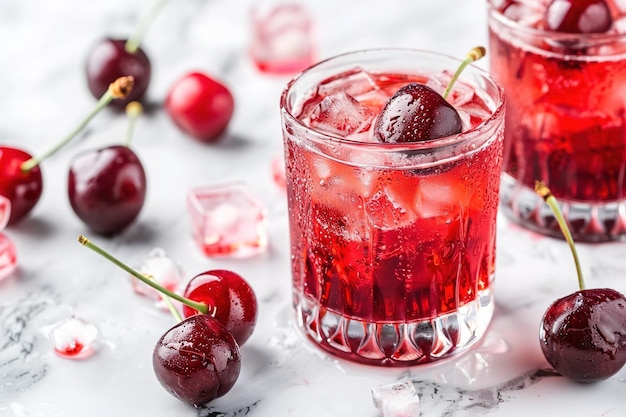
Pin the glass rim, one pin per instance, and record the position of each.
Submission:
(552, 35)
(464, 136)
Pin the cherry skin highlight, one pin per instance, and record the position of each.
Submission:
(108, 61)
(200, 106)
(23, 189)
(230, 300)
(107, 188)
(578, 16)
(416, 113)
(197, 360)
(583, 335)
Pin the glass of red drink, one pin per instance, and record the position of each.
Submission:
(566, 113)
(392, 244)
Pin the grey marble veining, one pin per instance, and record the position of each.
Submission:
(43, 46)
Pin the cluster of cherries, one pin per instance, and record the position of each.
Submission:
(199, 359)
(108, 195)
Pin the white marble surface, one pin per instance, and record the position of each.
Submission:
(42, 51)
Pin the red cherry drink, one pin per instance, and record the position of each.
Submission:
(565, 122)
(392, 244)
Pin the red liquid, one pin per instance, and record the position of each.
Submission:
(386, 244)
(566, 118)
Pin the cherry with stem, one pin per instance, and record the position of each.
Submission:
(583, 335)
(198, 359)
(418, 113)
(112, 58)
(107, 186)
(21, 180)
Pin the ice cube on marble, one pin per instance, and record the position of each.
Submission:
(227, 220)
(282, 38)
(341, 114)
(163, 269)
(396, 400)
(73, 338)
(8, 257)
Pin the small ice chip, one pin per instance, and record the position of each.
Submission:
(341, 114)
(163, 269)
(396, 400)
(73, 337)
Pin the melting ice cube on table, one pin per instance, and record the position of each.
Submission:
(396, 400)
(282, 41)
(73, 338)
(227, 220)
(8, 254)
(163, 269)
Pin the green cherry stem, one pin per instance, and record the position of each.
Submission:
(119, 88)
(132, 44)
(473, 55)
(133, 111)
(545, 193)
(201, 307)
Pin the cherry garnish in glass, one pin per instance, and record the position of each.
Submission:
(197, 360)
(200, 106)
(418, 113)
(107, 186)
(230, 299)
(583, 335)
(578, 16)
(20, 175)
(114, 58)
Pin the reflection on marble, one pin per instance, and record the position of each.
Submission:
(43, 50)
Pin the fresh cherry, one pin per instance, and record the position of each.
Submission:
(200, 106)
(22, 188)
(20, 175)
(197, 360)
(107, 188)
(578, 16)
(583, 335)
(110, 60)
(418, 113)
(230, 299)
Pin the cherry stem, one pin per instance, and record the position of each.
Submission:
(132, 44)
(548, 197)
(119, 88)
(473, 55)
(201, 307)
(133, 111)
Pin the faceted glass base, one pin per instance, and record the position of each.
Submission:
(395, 344)
(588, 222)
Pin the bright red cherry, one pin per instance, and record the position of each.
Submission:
(22, 188)
(110, 60)
(578, 16)
(200, 106)
(107, 188)
(416, 113)
(197, 360)
(229, 298)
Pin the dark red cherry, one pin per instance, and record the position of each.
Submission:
(578, 16)
(23, 189)
(583, 335)
(416, 113)
(200, 106)
(108, 61)
(107, 188)
(197, 360)
(229, 298)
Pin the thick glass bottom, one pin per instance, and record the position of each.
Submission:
(588, 221)
(395, 344)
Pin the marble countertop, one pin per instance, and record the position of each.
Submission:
(43, 48)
